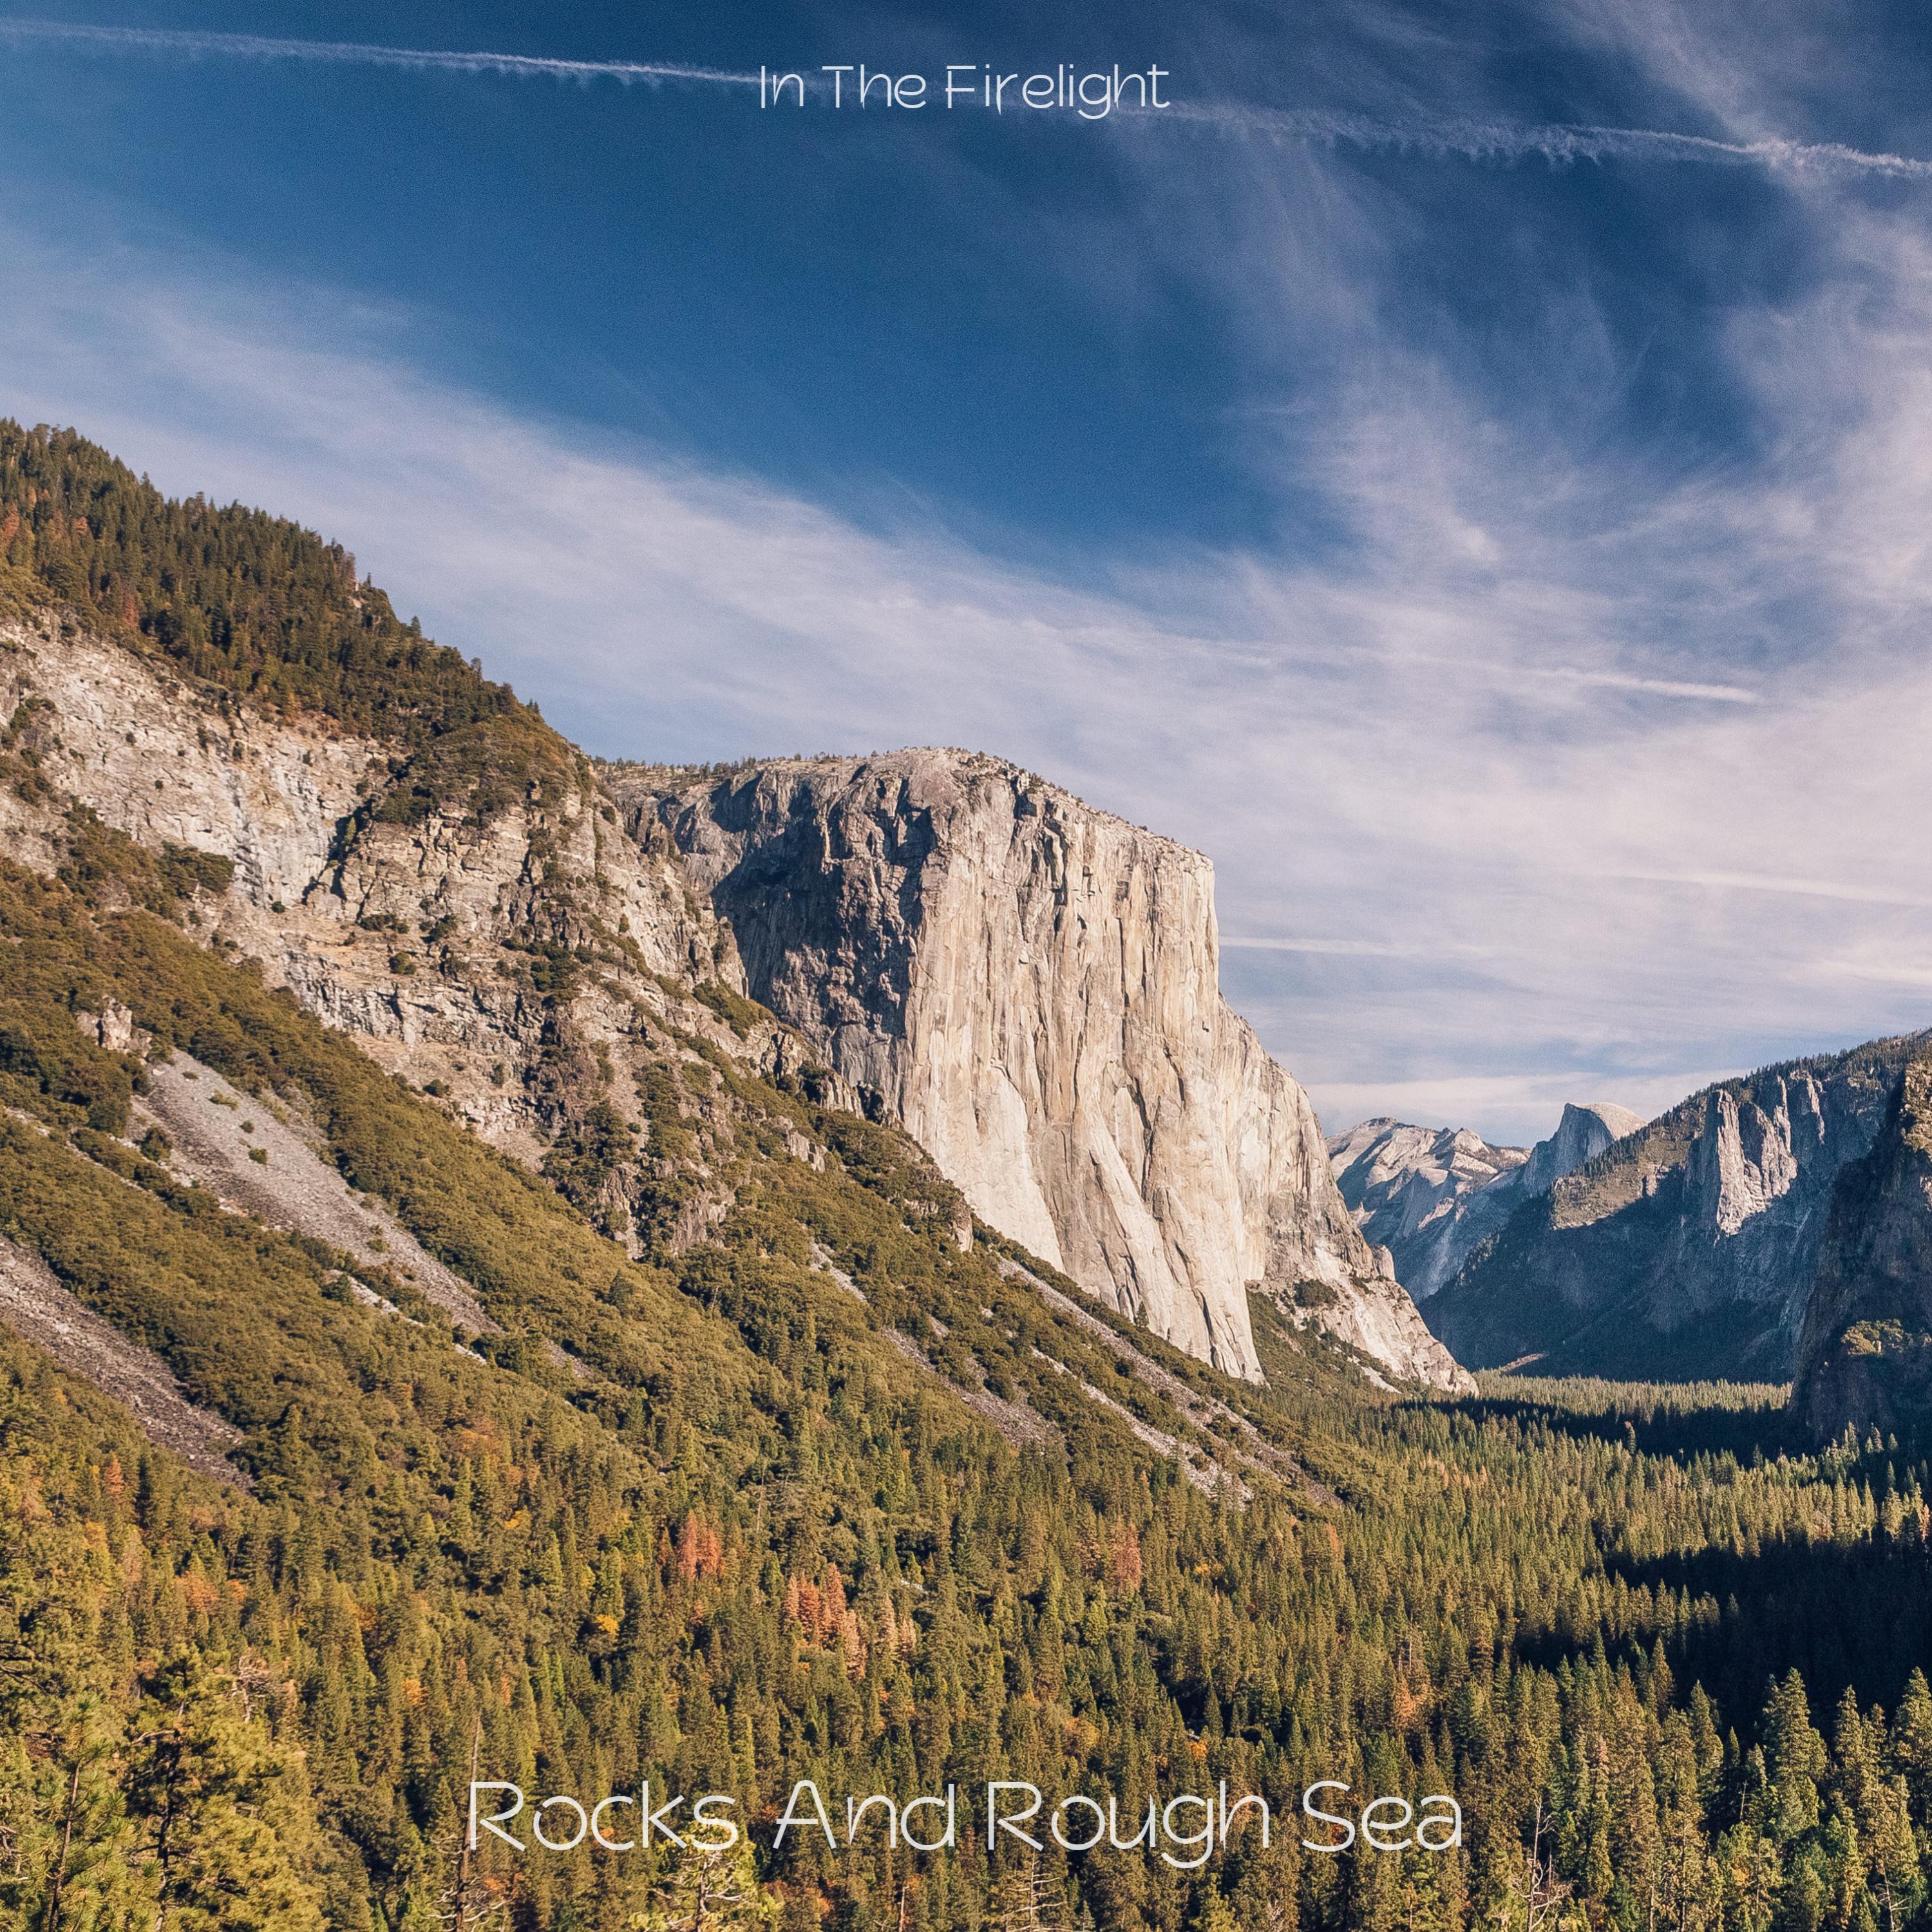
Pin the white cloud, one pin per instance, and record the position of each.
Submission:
(192, 45)
(1468, 139)
(1463, 136)
(1351, 949)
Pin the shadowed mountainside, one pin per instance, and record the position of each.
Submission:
(1689, 1249)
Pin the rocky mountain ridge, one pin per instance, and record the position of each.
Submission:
(1689, 1249)
(1031, 988)
(482, 921)
(436, 939)
(1864, 1352)
(1431, 1195)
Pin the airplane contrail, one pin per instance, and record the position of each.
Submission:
(351, 53)
(1471, 139)
(1559, 142)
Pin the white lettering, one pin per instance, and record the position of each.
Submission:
(597, 1825)
(1227, 1816)
(948, 1838)
(496, 1822)
(822, 1819)
(569, 1844)
(1144, 1836)
(1326, 1817)
(654, 1821)
(1454, 1821)
(1093, 108)
(853, 1817)
(1371, 1825)
(700, 1817)
(1204, 1837)
(1067, 1844)
(996, 1824)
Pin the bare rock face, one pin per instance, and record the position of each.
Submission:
(1585, 1129)
(1412, 1191)
(1750, 1154)
(1030, 987)
(130, 743)
(1864, 1355)
(525, 963)
(1687, 1248)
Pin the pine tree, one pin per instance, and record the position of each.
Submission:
(711, 1891)
(221, 1839)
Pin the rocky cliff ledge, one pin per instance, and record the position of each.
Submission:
(1864, 1357)
(1030, 987)
(517, 955)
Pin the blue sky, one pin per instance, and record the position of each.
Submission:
(1462, 468)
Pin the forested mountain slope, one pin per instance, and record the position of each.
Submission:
(574, 1390)
(427, 865)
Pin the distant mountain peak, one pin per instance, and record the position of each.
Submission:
(1430, 1195)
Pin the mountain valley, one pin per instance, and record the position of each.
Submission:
(521, 1268)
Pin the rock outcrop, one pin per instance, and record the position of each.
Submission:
(442, 937)
(1030, 987)
(1586, 1129)
(253, 1159)
(1864, 1354)
(1687, 1248)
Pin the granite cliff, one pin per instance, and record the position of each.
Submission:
(486, 931)
(1431, 1195)
(560, 956)
(1030, 987)
(1687, 1248)
(1864, 1352)
(480, 917)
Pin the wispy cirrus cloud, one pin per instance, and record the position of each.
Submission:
(1446, 882)
(1468, 138)
(1478, 139)
(1569, 767)
(190, 44)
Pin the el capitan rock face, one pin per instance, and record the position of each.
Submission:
(1030, 987)
(1430, 1195)
(1864, 1354)
(1688, 1249)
